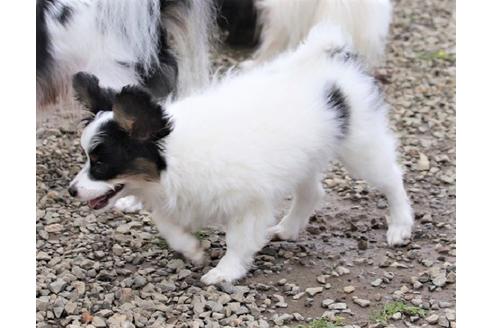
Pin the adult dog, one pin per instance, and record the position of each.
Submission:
(161, 46)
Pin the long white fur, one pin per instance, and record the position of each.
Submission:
(191, 37)
(248, 141)
(285, 23)
(102, 33)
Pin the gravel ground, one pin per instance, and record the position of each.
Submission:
(113, 270)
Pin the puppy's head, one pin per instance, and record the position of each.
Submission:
(123, 142)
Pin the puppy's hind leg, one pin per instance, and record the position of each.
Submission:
(244, 237)
(308, 195)
(371, 156)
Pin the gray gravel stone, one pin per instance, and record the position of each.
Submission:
(54, 228)
(432, 319)
(98, 322)
(311, 291)
(283, 319)
(70, 307)
(338, 306)
(348, 289)
(139, 281)
(282, 282)
(57, 286)
(183, 274)
(342, 270)
(298, 295)
(377, 282)
(439, 280)
(423, 163)
(118, 250)
(443, 322)
(361, 302)
(327, 302)
(322, 279)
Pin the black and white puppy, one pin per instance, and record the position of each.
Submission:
(228, 155)
(161, 45)
(280, 25)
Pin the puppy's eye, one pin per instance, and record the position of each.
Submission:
(98, 163)
(95, 161)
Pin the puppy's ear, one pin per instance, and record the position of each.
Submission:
(90, 94)
(137, 113)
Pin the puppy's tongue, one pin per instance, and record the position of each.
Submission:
(98, 202)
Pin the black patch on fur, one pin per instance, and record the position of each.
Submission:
(136, 112)
(336, 100)
(90, 94)
(239, 19)
(116, 154)
(65, 15)
(162, 79)
(44, 58)
(165, 3)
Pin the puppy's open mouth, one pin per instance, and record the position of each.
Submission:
(101, 201)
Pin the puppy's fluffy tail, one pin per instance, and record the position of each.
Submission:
(326, 37)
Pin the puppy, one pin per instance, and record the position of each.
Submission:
(279, 25)
(228, 155)
(161, 45)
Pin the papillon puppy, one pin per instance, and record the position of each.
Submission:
(160, 45)
(278, 25)
(228, 155)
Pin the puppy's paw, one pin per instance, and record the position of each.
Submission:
(398, 234)
(279, 232)
(128, 204)
(217, 275)
(214, 276)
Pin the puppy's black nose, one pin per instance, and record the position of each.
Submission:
(72, 191)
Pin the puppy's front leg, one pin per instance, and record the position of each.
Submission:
(180, 240)
(244, 237)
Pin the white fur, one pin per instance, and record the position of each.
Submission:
(247, 142)
(190, 35)
(128, 204)
(102, 34)
(86, 187)
(285, 23)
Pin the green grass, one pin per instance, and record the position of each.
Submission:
(322, 323)
(391, 308)
(439, 54)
